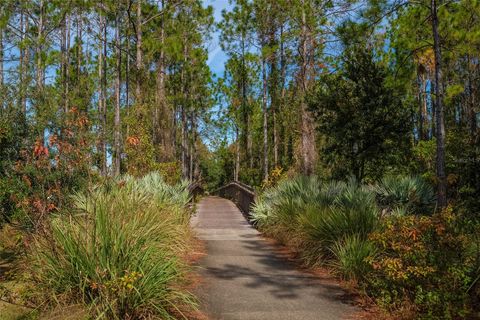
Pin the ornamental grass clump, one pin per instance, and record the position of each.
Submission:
(120, 252)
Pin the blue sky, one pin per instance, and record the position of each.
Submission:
(216, 57)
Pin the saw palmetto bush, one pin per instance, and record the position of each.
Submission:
(277, 209)
(120, 252)
(405, 193)
(350, 212)
(313, 216)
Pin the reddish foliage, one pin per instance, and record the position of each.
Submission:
(133, 141)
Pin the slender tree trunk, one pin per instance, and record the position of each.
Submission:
(307, 125)
(190, 147)
(21, 86)
(245, 112)
(67, 65)
(117, 124)
(102, 101)
(283, 74)
(175, 119)
(79, 51)
(1, 69)
(162, 113)
(433, 132)
(127, 72)
(440, 124)
(424, 111)
(156, 108)
(249, 144)
(39, 72)
(195, 167)
(184, 110)
(265, 121)
(274, 96)
(65, 54)
(236, 170)
(140, 67)
(275, 137)
(421, 129)
(472, 115)
(79, 57)
(63, 66)
(184, 142)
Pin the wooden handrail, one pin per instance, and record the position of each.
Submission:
(238, 184)
(241, 194)
(196, 188)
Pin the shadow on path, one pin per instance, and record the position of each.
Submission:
(246, 277)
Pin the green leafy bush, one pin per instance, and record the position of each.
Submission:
(425, 262)
(119, 251)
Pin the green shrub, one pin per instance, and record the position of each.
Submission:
(277, 210)
(429, 263)
(326, 226)
(350, 257)
(312, 216)
(119, 252)
(406, 193)
(289, 196)
(423, 261)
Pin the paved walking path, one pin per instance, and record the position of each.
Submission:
(243, 277)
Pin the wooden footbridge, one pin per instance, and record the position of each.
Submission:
(245, 276)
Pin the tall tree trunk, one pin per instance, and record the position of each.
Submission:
(184, 141)
(421, 99)
(283, 75)
(162, 112)
(274, 99)
(102, 101)
(195, 168)
(156, 108)
(440, 123)
(2, 91)
(190, 152)
(249, 143)
(265, 121)
(117, 124)
(65, 54)
(21, 86)
(175, 119)
(245, 112)
(79, 52)
(127, 70)
(472, 115)
(307, 125)
(424, 111)
(140, 67)
(184, 110)
(79, 58)
(39, 48)
(237, 155)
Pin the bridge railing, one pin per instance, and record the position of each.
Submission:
(196, 188)
(241, 194)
